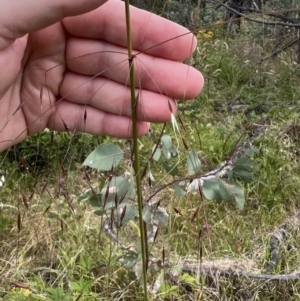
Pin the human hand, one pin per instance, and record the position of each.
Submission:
(71, 73)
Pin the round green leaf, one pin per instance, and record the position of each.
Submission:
(236, 191)
(95, 200)
(147, 213)
(172, 170)
(246, 164)
(193, 163)
(129, 258)
(173, 151)
(157, 153)
(166, 141)
(166, 153)
(104, 157)
(99, 212)
(226, 190)
(161, 216)
(179, 191)
(119, 187)
(130, 213)
(211, 189)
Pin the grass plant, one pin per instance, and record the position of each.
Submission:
(54, 247)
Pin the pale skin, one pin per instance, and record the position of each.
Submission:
(81, 92)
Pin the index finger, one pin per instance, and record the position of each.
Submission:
(150, 33)
(21, 17)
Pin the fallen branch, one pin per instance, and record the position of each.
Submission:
(205, 271)
(272, 23)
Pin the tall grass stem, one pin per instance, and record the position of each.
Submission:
(134, 101)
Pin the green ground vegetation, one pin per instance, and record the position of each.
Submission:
(54, 247)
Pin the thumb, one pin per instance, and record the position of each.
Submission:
(19, 17)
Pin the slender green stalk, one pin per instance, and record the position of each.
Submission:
(134, 100)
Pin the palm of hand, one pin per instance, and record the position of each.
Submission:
(28, 92)
(52, 82)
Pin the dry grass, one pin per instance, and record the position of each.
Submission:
(58, 241)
